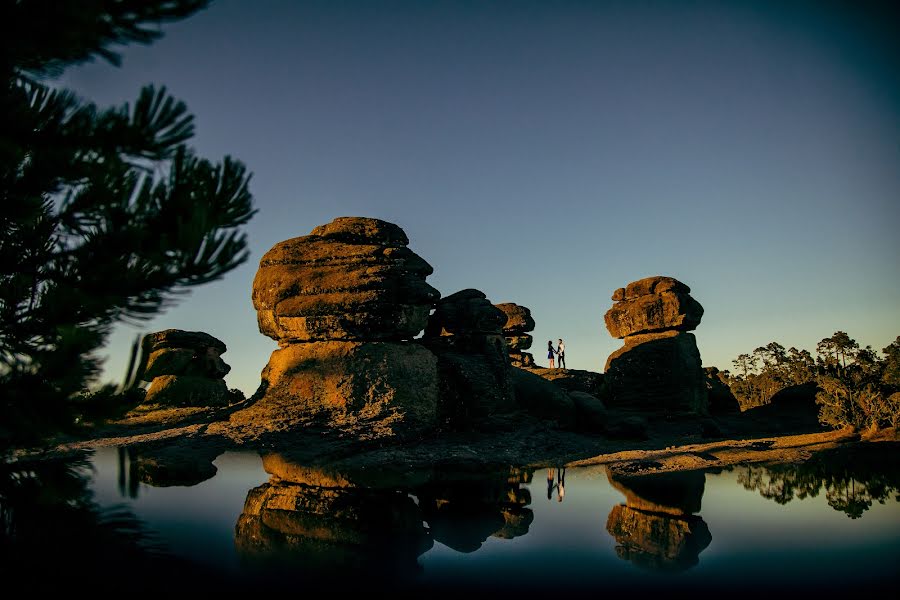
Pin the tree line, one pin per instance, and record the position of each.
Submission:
(853, 386)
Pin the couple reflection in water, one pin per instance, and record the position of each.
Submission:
(556, 482)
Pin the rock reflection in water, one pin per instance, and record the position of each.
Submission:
(655, 528)
(464, 511)
(320, 520)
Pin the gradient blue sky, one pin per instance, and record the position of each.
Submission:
(548, 153)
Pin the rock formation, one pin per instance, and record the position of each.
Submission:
(343, 303)
(655, 528)
(542, 398)
(184, 368)
(721, 400)
(465, 332)
(659, 366)
(518, 323)
(573, 380)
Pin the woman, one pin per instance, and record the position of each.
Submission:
(550, 354)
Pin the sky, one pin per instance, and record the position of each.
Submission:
(547, 153)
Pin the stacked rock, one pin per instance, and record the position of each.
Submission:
(466, 333)
(518, 323)
(184, 368)
(659, 367)
(342, 303)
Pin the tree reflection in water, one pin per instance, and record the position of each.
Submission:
(54, 533)
(853, 478)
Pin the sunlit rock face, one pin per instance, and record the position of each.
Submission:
(343, 304)
(659, 367)
(463, 511)
(184, 368)
(466, 334)
(655, 528)
(518, 323)
(352, 279)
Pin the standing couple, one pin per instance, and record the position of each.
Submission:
(560, 352)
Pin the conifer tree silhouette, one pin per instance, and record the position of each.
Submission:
(106, 214)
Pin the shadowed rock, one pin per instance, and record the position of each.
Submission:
(655, 528)
(184, 368)
(463, 511)
(573, 380)
(518, 323)
(720, 398)
(542, 398)
(465, 333)
(659, 367)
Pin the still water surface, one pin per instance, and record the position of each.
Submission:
(776, 528)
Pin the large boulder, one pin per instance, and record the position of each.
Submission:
(656, 373)
(518, 323)
(353, 279)
(572, 380)
(464, 313)
(465, 334)
(659, 368)
(370, 389)
(184, 368)
(543, 399)
(344, 304)
(652, 304)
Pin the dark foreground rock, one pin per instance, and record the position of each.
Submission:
(465, 333)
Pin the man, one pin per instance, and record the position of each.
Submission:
(561, 354)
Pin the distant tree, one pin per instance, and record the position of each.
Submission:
(854, 386)
(837, 350)
(891, 373)
(108, 214)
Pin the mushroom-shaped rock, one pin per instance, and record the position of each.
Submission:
(465, 312)
(344, 304)
(658, 369)
(184, 368)
(650, 305)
